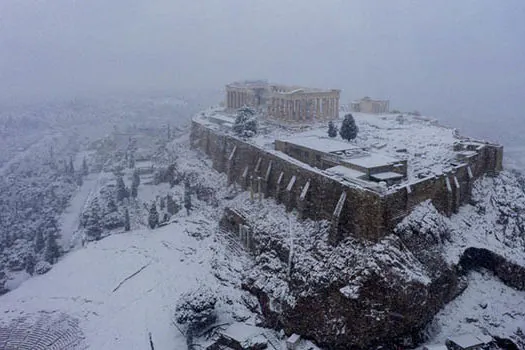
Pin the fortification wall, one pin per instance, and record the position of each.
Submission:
(284, 179)
(362, 212)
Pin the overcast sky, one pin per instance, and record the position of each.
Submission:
(447, 56)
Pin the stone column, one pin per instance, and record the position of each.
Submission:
(337, 107)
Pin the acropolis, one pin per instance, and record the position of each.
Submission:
(284, 103)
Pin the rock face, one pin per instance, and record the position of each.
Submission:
(383, 313)
(358, 294)
(362, 294)
(510, 273)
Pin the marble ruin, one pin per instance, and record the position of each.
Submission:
(284, 103)
(367, 105)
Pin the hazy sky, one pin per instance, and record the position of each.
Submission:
(447, 56)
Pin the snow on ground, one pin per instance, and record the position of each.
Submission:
(486, 306)
(70, 220)
(88, 285)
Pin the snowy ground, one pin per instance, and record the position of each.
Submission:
(87, 292)
(487, 306)
(85, 286)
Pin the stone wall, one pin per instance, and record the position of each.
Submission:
(352, 210)
(285, 179)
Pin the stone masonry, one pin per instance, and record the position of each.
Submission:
(352, 210)
(284, 103)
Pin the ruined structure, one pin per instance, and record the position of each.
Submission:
(367, 105)
(284, 103)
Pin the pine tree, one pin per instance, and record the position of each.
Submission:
(39, 241)
(111, 207)
(71, 168)
(153, 217)
(349, 129)
(122, 191)
(135, 184)
(332, 129)
(29, 263)
(131, 161)
(127, 224)
(245, 122)
(79, 179)
(92, 220)
(85, 169)
(187, 198)
(171, 206)
(52, 251)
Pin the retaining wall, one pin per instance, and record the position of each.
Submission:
(362, 212)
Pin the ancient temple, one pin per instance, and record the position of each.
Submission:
(285, 103)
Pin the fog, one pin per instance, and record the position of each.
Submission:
(463, 61)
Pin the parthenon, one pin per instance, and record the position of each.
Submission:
(286, 103)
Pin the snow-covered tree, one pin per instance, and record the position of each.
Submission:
(92, 220)
(153, 216)
(71, 168)
(349, 129)
(29, 263)
(39, 241)
(127, 224)
(171, 206)
(131, 160)
(245, 122)
(135, 184)
(196, 308)
(85, 169)
(51, 251)
(187, 198)
(122, 191)
(332, 129)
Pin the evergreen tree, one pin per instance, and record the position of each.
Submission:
(127, 224)
(52, 251)
(153, 217)
(79, 179)
(122, 191)
(112, 207)
(349, 129)
(171, 206)
(92, 220)
(332, 129)
(85, 169)
(245, 122)
(39, 241)
(135, 184)
(131, 161)
(71, 168)
(29, 263)
(187, 198)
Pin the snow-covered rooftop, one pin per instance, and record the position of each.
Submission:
(373, 160)
(321, 144)
(426, 146)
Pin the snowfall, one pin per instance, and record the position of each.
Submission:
(118, 292)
